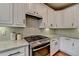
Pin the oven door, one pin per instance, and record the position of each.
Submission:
(41, 50)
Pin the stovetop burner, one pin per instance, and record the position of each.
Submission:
(34, 38)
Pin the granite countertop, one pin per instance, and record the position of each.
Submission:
(6, 45)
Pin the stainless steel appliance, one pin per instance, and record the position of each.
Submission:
(38, 45)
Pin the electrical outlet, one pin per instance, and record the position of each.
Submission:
(3, 33)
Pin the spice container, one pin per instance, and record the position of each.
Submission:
(13, 36)
(19, 36)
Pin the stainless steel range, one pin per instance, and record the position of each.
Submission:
(38, 45)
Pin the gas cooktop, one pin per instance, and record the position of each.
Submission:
(34, 38)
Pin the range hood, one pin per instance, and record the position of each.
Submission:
(34, 15)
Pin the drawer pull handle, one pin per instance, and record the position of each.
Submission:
(56, 43)
(72, 44)
(67, 39)
(14, 53)
(53, 40)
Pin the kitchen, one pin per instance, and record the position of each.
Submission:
(54, 29)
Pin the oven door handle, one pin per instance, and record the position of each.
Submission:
(41, 47)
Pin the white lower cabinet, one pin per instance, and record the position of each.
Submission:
(76, 47)
(54, 46)
(22, 51)
(67, 45)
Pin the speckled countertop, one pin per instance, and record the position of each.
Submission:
(6, 45)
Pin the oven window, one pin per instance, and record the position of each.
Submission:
(42, 52)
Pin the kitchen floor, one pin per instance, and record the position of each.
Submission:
(60, 53)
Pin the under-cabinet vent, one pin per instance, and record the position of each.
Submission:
(34, 15)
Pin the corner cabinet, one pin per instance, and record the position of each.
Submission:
(54, 45)
(19, 15)
(6, 13)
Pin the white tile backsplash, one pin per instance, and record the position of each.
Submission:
(6, 35)
(25, 32)
(36, 31)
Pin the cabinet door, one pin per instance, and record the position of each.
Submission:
(14, 52)
(66, 45)
(42, 10)
(19, 15)
(54, 46)
(30, 7)
(51, 18)
(6, 13)
(59, 19)
(26, 51)
(68, 17)
(76, 47)
(76, 15)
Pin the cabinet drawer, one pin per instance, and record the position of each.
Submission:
(14, 52)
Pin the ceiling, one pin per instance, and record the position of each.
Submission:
(59, 6)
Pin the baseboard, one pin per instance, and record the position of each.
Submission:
(52, 54)
(55, 53)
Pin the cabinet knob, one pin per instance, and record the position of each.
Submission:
(51, 25)
(72, 24)
(67, 39)
(37, 13)
(34, 12)
(72, 44)
(53, 40)
(24, 21)
(55, 43)
(44, 24)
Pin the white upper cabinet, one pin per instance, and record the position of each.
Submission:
(6, 13)
(51, 18)
(42, 10)
(31, 8)
(58, 19)
(68, 21)
(19, 15)
(76, 15)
